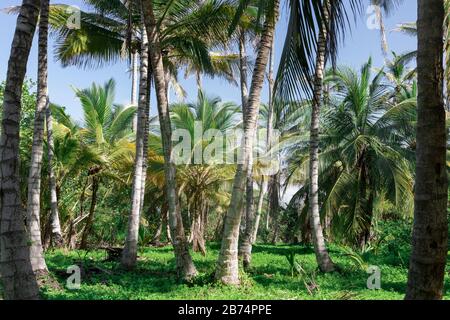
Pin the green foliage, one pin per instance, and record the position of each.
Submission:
(270, 277)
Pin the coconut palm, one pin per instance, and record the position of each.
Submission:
(34, 177)
(56, 237)
(19, 280)
(107, 132)
(227, 264)
(185, 265)
(363, 150)
(430, 231)
(300, 73)
(194, 29)
(200, 180)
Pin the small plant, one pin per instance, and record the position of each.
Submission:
(309, 279)
(356, 257)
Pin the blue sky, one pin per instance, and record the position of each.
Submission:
(358, 47)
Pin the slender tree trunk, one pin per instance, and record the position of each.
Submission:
(198, 79)
(258, 212)
(135, 72)
(34, 178)
(430, 232)
(90, 219)
(243, 68)
(18, 278)
(273, 206)
(246, 243)
(129, 254)
(56, 234)
(323, 259)
(227, 270)
(185, 265)
(198, 236)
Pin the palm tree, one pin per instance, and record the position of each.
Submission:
(227, 264)
(56, 237)
(129, 254)
(185, 265)
(107, 132)
(296, 78)
(364, 154)
(70, 157)
(201, 182)
(322, 256)
(384, 7)
(430, 232)
(34, 178)
(185, 41)
(19, 280)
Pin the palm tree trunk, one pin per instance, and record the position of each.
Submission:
(198, 236)
(259, 211)
(185, 265)
(430, 232)
(243, 68)
(273, 206)
(34, 177)
(246, 243)
(129, 254)
(56, 234)
(134, 84)
(227, 270)
(90, 219)
(18, 278)
(322, 256)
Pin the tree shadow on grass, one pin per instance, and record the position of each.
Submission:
(282, 250)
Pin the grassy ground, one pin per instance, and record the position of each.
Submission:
(270, 278)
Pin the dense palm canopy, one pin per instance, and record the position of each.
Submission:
(364, 149)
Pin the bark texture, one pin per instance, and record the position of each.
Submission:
(429, 241)
(185, 265)
(129, 254)
(55, 232)
(323, 259)
(34, 177)
(18, 278)
(227, 270)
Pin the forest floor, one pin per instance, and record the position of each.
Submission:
(271, 276)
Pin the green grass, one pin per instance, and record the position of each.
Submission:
(270, 277)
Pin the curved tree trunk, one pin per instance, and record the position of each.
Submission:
(19, 281)
(185, 265)
(323, 259)
(34, 177)
(429, 241)
(56, 234)
(227, 270)
(129, 254)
